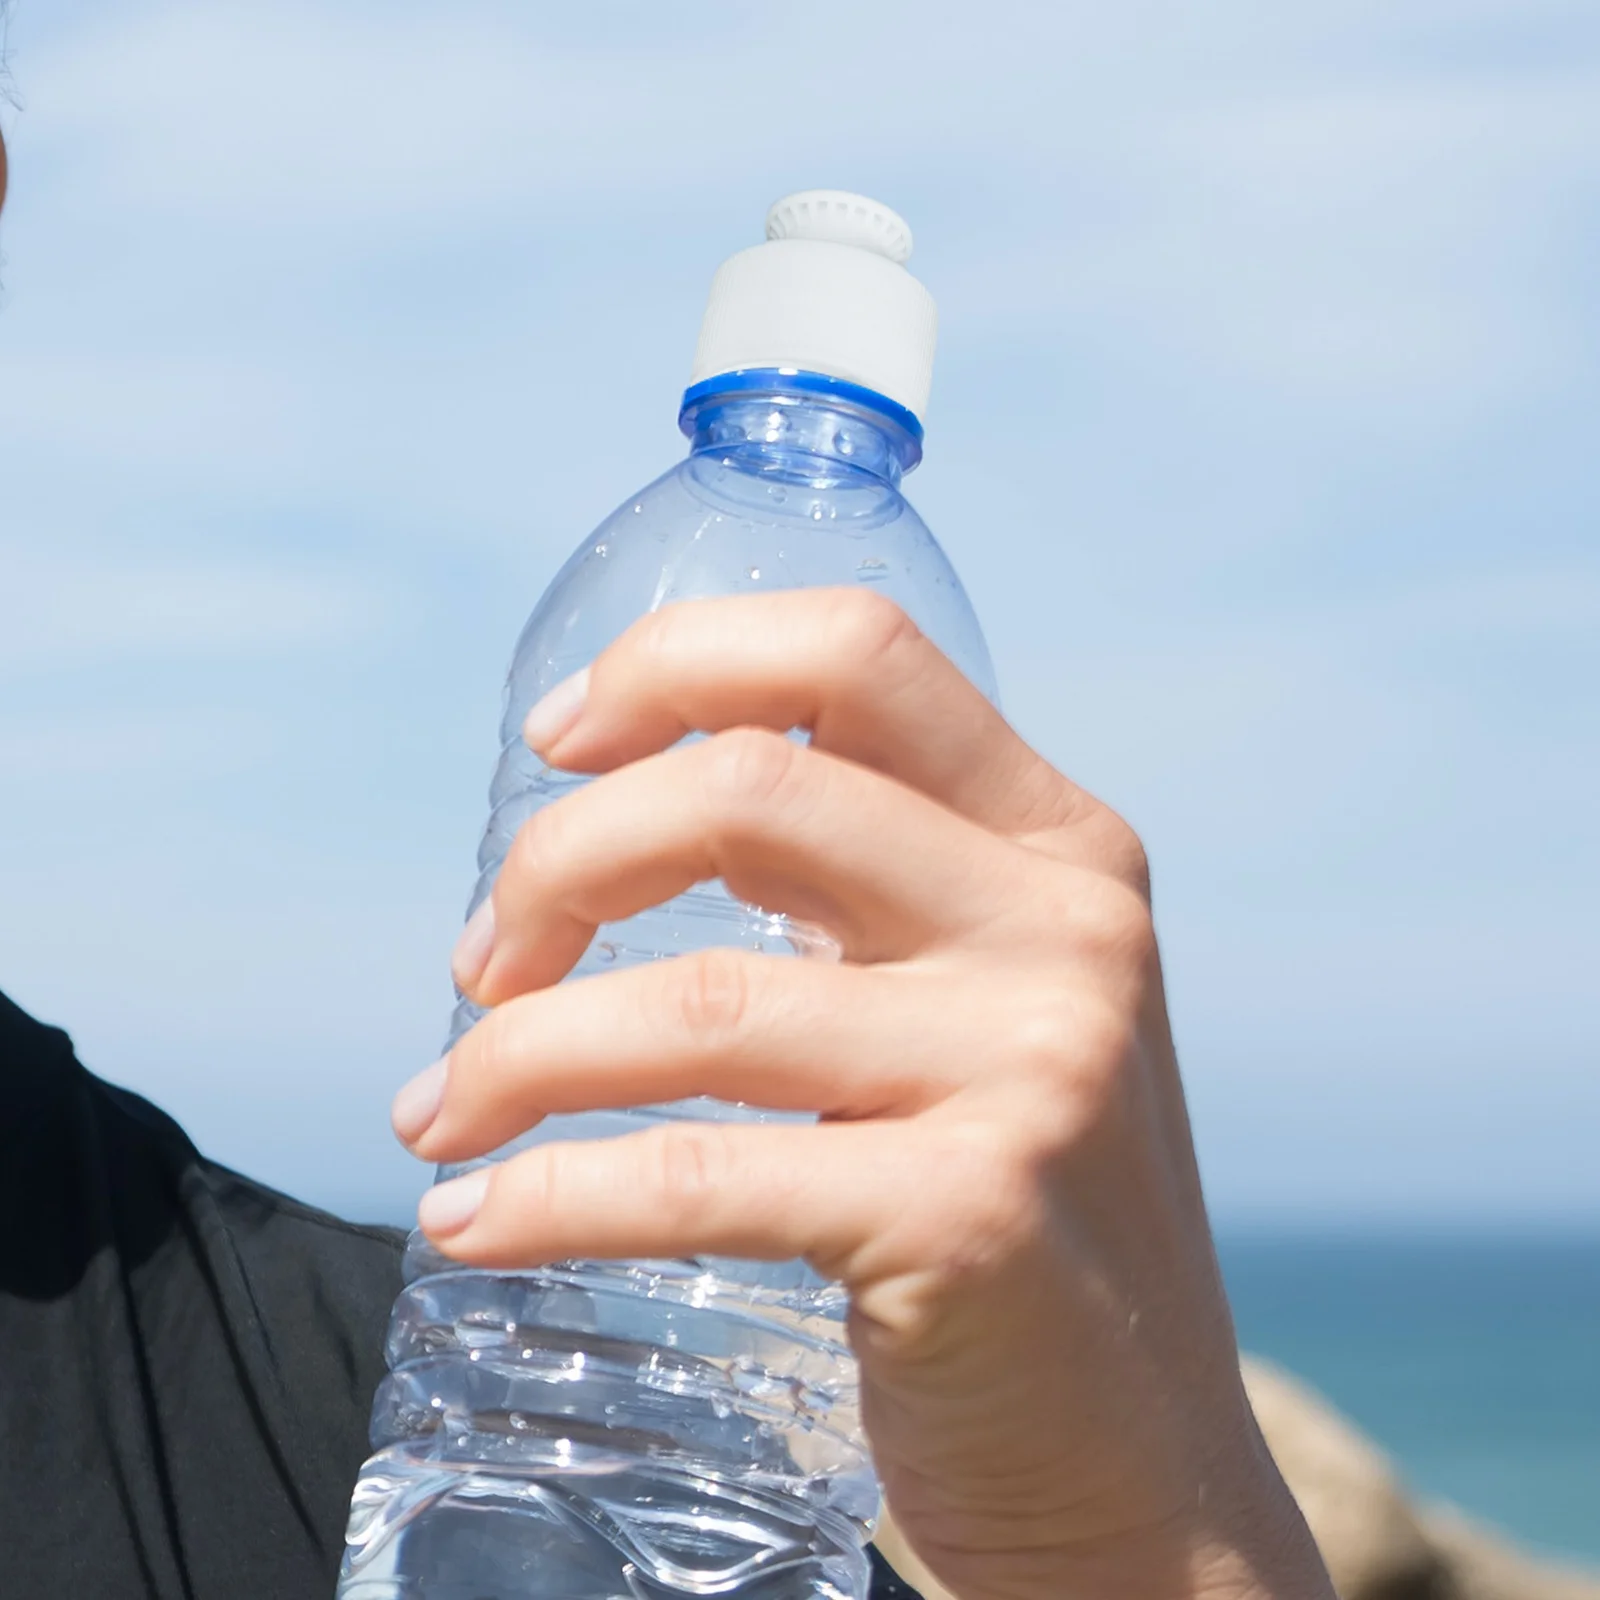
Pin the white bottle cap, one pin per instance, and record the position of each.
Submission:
(828, 293)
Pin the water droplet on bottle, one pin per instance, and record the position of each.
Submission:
(816, 512)
(871, 570)
(755, 572)
(638, 506)
(777, 494)
(606, 950)
(600, 549)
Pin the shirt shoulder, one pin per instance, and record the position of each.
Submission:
(190, 1356)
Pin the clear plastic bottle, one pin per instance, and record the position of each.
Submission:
(656, 1429)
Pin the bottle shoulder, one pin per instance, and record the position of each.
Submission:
(707, 528)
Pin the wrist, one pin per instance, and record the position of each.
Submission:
(1244, 1538)
(1274, 1558)
(1261, 1550)
(1246, 1541)
(1230, 1530)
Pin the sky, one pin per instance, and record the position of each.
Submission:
(1265, 435)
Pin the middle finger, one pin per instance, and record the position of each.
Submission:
(885, 870)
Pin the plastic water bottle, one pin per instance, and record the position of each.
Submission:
(653, 1429)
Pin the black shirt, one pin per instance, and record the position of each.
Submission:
(187, 1358)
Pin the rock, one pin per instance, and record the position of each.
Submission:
(1378, 1544)
(1481, 1567)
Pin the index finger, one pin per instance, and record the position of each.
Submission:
(847, 665)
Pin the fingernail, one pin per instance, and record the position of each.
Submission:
(418, 1102)
(471, 954)
(448, 1207)
(556, 713)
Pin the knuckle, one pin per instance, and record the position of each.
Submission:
(536, 845)
(534, 1184)
(1046, 1031)
(1109, 1041)
(690, 1163)
(711, 992)
(1071, 1049)
(479, 1058)
(1109, 919)
(1129, 929)
(1123, 855)
(653, 640)
(746, 770)
(1096, 1083)
(874, 626)
(996, 1172)
(495, 1055)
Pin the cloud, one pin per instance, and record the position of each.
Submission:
(1270, 202)
(1259, 434)
(138, 407)
(112, 746)
(93, 608)
(314, 118)
(1394, 248)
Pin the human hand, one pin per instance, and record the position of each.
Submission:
(1003, 1175)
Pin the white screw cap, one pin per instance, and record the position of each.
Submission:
(840, 218)
(829, 293)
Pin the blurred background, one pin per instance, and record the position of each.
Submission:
(1266, 434)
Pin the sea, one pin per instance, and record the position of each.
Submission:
(1474, 1361)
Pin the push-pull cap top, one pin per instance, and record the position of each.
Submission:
(828, 293)
(839, 218)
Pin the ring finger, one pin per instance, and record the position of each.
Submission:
(847, 1042)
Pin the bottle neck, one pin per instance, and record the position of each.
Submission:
(801, 424)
